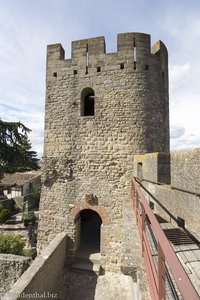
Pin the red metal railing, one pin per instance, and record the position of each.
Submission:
(166, 255)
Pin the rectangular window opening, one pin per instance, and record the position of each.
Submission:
(139, 170)
(75, 72)
(122, 66)
(87, 56)
(146, 67)
(55, 74)
(98, 69)
(134, 54)
(87, 59)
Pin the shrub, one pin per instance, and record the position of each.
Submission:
(28, 217)
(11, 244)
(30, 253)
(4, 215)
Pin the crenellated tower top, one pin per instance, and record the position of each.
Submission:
(132, 48)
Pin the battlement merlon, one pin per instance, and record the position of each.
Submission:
(94, 46)
(55, 52)
(159, 49)
(126, 42)
(130, 40)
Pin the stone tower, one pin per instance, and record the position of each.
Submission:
(101, 109)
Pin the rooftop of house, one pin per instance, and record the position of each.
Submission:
(18, 179)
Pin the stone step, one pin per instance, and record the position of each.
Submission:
(94, 257)
(87, 266)
(87, 262)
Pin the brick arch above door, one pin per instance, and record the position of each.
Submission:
(97, 208)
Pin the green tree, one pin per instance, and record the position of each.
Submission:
(15, 148)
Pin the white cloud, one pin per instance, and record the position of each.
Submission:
(177, 131)
(184, 34)
(178, 74)
(185, 142)
(184, 118)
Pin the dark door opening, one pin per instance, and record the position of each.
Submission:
(90, 231)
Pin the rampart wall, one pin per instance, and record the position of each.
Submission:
(180, 199)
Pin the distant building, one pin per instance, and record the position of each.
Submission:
(20, 185)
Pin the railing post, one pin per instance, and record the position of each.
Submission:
(161, 274)
(135, 199)
(143, 228)
(136, 205)
(133, 192)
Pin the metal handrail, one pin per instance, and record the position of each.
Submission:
(165, 253)
(168, 277)
(169, 186)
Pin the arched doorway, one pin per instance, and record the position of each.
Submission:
(90, 231)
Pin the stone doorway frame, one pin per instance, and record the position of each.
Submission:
(74, 216)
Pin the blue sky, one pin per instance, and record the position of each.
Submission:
(26, 27)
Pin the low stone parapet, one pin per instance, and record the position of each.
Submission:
(42, 279)
(11, 268)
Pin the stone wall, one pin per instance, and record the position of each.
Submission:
(11, 268)
(171, 201)
(153, 167)
(185, 170)
(43, 279)
(172, 204)
(94, 154)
